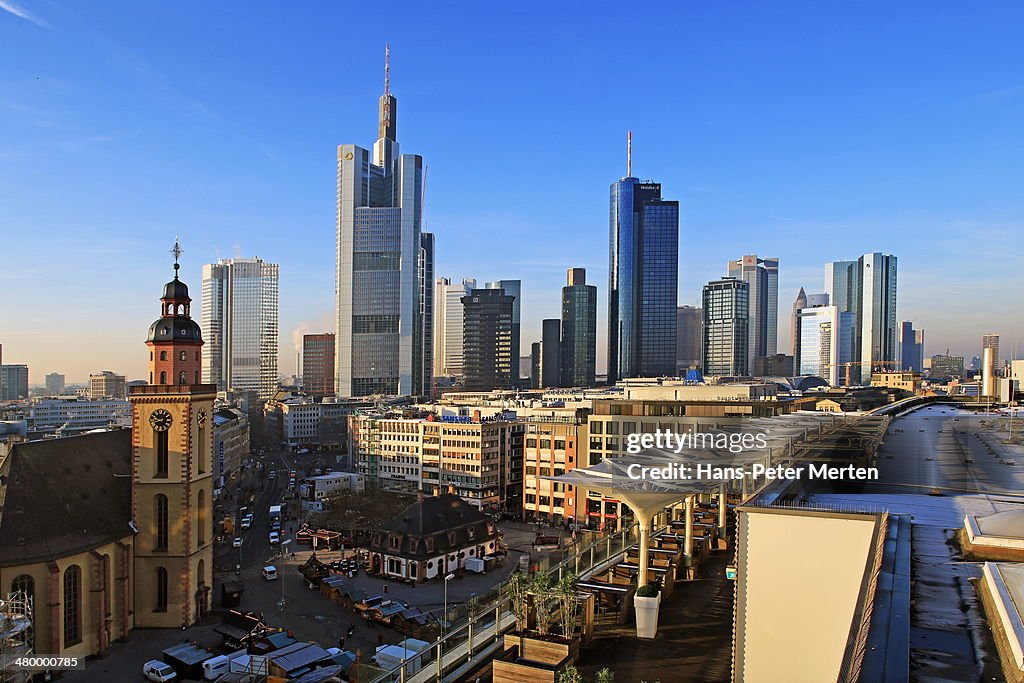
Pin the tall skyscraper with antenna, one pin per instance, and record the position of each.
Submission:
(383, 263)
(643, 277)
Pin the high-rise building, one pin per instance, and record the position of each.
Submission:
(910, 343)
(318, 364)
(826, 343)
(380, 343)
(867, 288)
(172, 472)
(54, 383)
(991, 341)
(801, 302)
(689, 338)
(762, 276)
(107, 384)
(13, 382)
(513, 288)
(725, 304)
(448, 309)
(579, 330)
(240, 312)
(643, 278)
(487, 340)
(549, 367)
(426, 285)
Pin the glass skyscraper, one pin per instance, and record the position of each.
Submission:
(513, 288)
(643, 276)
(762, 275)
(726, 305)
(487, 340)
(867, 289)
(579, 330)
(381, 264)
(240, 311)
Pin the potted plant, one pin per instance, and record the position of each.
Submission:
(537, 655)
(646, 602)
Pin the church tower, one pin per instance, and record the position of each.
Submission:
(172, 478)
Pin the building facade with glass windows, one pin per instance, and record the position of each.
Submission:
(240, 321)
(643, 276)
(726, 335)
(579, 330)
(381, 337)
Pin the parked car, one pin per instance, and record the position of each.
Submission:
(237, 543)
(159, 672)
(275, 537)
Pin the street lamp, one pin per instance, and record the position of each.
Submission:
(281, 574)
(444, 623)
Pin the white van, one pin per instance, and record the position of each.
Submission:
(275, 538)
(270, 573)
(158, 672)
(215, 666)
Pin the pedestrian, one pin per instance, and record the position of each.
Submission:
(351, 629)
(380, 639)
(341, 643)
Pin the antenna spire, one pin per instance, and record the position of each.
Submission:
(177, 251)
(629, 154)
(387, 69)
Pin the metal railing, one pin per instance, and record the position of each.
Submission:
(470, 638)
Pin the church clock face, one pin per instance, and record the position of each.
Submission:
(201, 418)
(160, 420)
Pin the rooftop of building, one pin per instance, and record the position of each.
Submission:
(64, 496)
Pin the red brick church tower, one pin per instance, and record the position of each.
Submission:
(172, 470)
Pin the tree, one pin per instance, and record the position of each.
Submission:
(542, 601)
(566, 591)
(519, 596)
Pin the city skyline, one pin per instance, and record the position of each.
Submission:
(64, 126)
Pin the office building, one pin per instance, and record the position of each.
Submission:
(231, 433)
(762, 278)
(779, 365)
(946, 367)
(380, 343)
(448, 324)
(826, 344)
(548, 368)
(13, 382)
(553, 446)
(480, 458)
(643, 276)
(318, 364)
(54, 384)
(867, 288)
(991, 341)
(487, 361)
(579, 330)
(726, 337)
(107, 384)
(240, 314)
(910, 343)
(426, 334)
(513, 288)
(689, 338)
(801, 302)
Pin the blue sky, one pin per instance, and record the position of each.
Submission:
(807, 131)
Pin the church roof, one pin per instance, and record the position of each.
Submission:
(59, 497)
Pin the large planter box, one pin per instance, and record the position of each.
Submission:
(517, 671)
(543, 651)
(646, 615)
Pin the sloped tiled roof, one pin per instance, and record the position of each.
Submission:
(438, 518)
(59, 497)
